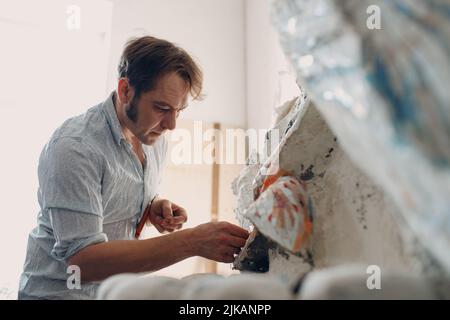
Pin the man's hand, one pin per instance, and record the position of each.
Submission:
(166, 215)
(219, 241)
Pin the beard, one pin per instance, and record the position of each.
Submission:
(131, 110)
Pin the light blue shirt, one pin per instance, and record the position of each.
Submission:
(92, 189)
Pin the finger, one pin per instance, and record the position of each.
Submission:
(236, 242)
(169, 224)
(179, 226)
(159, 228)
(178, 220)
(176, 226)
(179, 212)
(228, 260)
(236, 250)
(170, 230)
(156, 219)
(167, 210)
(238, 231)
(172, 225)
(228, 257)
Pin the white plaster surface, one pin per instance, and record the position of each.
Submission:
(354, 221)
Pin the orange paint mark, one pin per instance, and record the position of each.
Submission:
(302, 237)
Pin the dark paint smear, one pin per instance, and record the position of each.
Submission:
(361, 211)
(308, 174)
(256, 257)
(289, 126)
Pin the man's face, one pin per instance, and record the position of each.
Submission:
(156, 111)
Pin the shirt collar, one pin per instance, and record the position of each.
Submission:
(111, 117)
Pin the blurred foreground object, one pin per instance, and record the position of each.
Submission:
(385, 94)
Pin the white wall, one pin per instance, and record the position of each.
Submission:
(48, 73)
(211, 30)
(269, 80)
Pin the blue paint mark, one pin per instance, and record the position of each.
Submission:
(310, 210)
(402, 106)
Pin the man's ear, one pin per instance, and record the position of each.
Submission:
(124, 91)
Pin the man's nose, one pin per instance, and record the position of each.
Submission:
(170, 120)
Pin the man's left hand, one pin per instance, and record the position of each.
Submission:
(166, 215)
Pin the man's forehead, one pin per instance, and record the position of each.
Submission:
(172, 96)
(165, 103)
(171, 81)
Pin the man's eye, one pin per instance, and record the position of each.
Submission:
(162, 109)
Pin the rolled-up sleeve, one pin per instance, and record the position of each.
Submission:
(74, 231)
(70, 175)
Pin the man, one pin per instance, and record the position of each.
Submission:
(100, 172)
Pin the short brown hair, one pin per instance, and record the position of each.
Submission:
(145, 59)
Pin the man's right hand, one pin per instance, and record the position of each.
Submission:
(218, 241)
